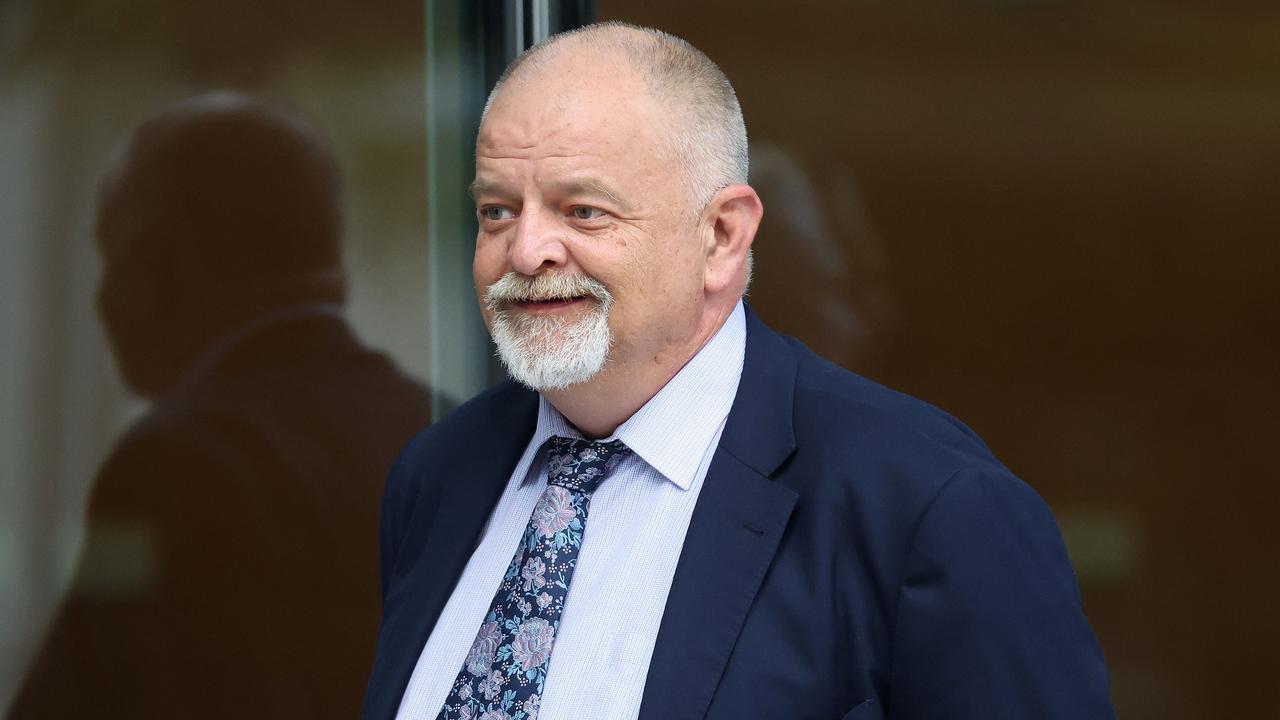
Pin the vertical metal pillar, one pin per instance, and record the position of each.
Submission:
(468, 45)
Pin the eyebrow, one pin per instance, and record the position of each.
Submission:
(478, 187)
(578, 186)
(591, 186)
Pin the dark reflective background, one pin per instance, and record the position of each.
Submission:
(1055, 219)
(230, 531)
(214, 272)
(1058, 221)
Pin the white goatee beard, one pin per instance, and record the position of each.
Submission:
(550, 353)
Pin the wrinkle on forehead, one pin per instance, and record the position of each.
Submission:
(500, 138)
(591, 135)
(527, 156)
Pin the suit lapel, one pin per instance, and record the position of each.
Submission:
(431, 562)
(733, 535)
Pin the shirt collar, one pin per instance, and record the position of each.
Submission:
(672, 431)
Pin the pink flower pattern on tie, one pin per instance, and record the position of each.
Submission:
(503, 675)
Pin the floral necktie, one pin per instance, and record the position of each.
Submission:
(503, 675)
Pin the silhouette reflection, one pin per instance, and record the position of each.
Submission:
(822, 271)
(230, 562)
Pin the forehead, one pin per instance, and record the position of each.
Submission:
(572, 109)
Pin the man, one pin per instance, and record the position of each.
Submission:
(225, 570)
(692, 517)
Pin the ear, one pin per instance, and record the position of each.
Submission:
(732, 218)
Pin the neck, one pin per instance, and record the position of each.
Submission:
(598, 406)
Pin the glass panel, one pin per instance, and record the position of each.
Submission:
(233, 494)
(468, 46)
(455, 97)
(1056, 220)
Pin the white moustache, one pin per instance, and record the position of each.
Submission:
(514, 287)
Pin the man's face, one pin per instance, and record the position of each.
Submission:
(585, 220)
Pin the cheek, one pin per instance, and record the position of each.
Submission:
(676, 275)
(647, 293)
(488, 265)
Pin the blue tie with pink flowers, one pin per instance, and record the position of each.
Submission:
(503, 675)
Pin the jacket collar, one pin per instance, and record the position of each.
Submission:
(733, 535)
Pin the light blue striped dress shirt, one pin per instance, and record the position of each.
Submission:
(635, 531)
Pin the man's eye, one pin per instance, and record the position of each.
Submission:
(582, 212)
(495, 212)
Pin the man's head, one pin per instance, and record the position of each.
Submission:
(217, 210)
(615, 219)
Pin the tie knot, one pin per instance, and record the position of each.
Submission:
(581, 465)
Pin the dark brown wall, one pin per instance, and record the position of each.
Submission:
(1065, 233)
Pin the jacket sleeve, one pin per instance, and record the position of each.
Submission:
(989, 623)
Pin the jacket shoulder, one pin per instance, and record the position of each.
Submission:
(846, 409)
(502, 414)
(881, 460)
(484, 417)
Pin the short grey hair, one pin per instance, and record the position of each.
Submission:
(709, 140)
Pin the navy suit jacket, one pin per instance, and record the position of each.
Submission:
(855, 553)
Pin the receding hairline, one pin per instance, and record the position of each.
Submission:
(646, 52)
(611, 38)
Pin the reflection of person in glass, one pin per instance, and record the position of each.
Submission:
(676, 512)
(228, 569)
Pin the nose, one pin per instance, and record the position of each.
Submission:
(538, 245)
